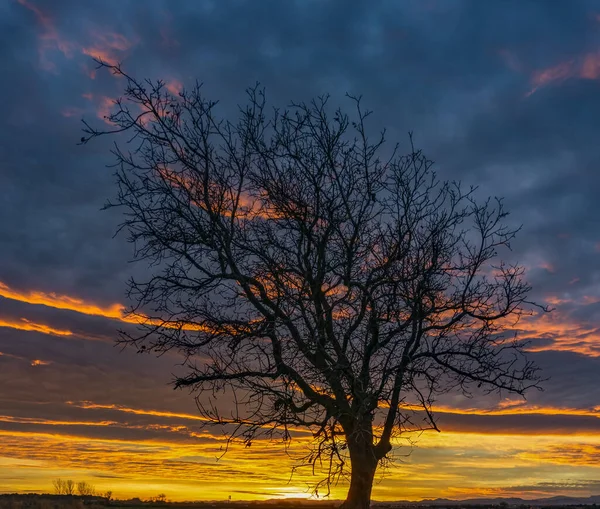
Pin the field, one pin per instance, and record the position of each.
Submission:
(37, 501)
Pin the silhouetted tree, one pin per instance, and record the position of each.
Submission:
(85, 489)
(58, 485)
(319, 284)
(64, 487)
(69, 487)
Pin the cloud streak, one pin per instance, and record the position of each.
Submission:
(65, 302)
(107, 46)
(585, 67)
(27, 325)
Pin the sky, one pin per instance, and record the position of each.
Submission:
(500, 94)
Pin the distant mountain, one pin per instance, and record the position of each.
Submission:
(513, 501)
(557, 501)
(437, 503)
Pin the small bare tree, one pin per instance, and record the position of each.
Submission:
(59, 486)
(161, 498)
(86, 489)
(65, 486)
(69, 487)
(317, 283)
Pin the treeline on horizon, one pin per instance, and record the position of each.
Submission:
(76, 501)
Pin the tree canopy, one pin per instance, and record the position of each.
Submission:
(322, 279)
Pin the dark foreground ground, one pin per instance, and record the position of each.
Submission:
(37, 501)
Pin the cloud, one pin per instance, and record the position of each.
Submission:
(561, 331)
(138, 411)
(110, 47)
(61, 302)
(40, 362)
(586, 67)
(104, 106)
(65, 302)
(24, 324)
(49, 38)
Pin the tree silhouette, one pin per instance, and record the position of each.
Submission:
(59, 486)
(86, 489)
(316, 282)
(64, 487)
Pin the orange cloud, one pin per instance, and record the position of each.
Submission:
(109, 423)
(34, 362)
(108, 47)
(573, 454)
(39, 362)
(442, 465)
(585, 67)
(504, 408)
(137, 411)
(90, 405)
(557, 330)
(50, 422)
(50, 39)
(104, 105)
(174, 86)
(105, 45)
(104, 108)
(510, 407)
(54, 300)
(248, 206)
(26, 325)
(71, 112)
(559, 72)
(590, 299)
(583, 300)
(184, 471)
(590, 67)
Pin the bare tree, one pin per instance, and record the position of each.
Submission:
(160, 498)
(86, 489)
(321, 285)
(59, 486)
(69, 487)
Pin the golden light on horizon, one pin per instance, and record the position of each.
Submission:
(441, 465)
(183, 464)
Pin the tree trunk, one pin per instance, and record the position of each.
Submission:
(363, 463)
